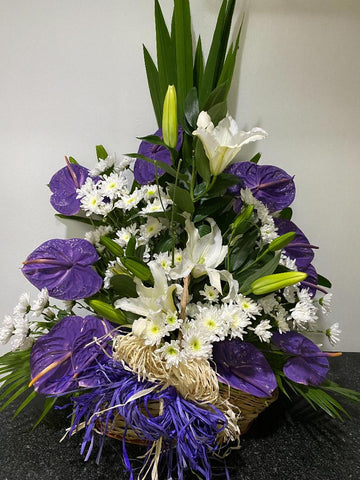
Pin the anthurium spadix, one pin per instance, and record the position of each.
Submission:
(223, 142)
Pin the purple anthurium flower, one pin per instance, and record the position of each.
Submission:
(64, 184)
(298, 249)
(307, 363)
(144, 172)
(64, 268)
(61, 358)
(271, 185)
(243, 366)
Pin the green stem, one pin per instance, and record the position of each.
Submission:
(172, 225)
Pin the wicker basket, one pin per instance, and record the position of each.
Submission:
(249, 406)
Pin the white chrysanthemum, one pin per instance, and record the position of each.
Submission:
(248, 306)
(94, 236)
(6, 329)
(236, 319)
(127, 202)
(122, 164)
(155, 331)
(102, 166)
(178, 257)
(125, 233)
(268, 303)
(291, 293)
(281, 320)
(88, 187)
(114, 185)
(171, 353)
(93, 202)
(268, 232)
(163, 259)
(68, 305)
(18, 342)
(172, 321)
(261, 210)
(210, 293)
(23, 306)
(150, 229)
(263, 331)
(195, 344)
(156, 205)
(333, 333)
(305, 312)
(325, 303)
(288, 262)
(41, 302)
(149, 192)
(211, 323)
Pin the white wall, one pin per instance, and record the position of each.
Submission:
(72, 76)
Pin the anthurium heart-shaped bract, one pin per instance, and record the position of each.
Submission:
(59, 358)
(308, 365)
(298, 249)
(64, 268)
(271, 185)
(64, 185)
(243, 366)
(144, 172)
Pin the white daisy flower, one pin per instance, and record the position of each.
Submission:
(18, 342)
(23, 306)
(155, 331)
(304, 312)
(127, 202)
(6, 329)
(94, 236)
(92, 203)
(248, 306)
(325, 303)
(262, 331)
(102, 166)
(172, 321)
(40, 303)
(114, 185)
(210, 293)
(125, 233)
(290, 293)
(149, 192)
(281, 320)
(156, 205)
(333, 333)
(268, 303)
(236, 319)
(268, 232)
(122, 164)
(171, 353)
(211, 324)
(195, 344)
(163, 259)
(150, 229)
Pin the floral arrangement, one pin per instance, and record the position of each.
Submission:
(192, 284)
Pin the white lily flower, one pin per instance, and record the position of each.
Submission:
(223, 142)
(202, 255)
(151, 299)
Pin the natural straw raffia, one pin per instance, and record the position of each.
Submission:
(195, 380)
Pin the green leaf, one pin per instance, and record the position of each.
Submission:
(227, 72)
(165, 54)
(13, 386)
(209, 207)
(218, 112)
(263, 271)
(124, 285)
(286, 213)
(323, 281)
(204, 230)
(208, 80)
(184, 58)
(223, 182)
(26, 402)
(256, 158)
(216, 96)
(181, 198)
(79, 219)
(191, 107)
(243, 221)
(101, 153)
(202, 162)
(154, 85)
(14, 397)
(107, 311)
(198, 64)
(242, 250)
(73, 161)
(48, 405)
(138, 268)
